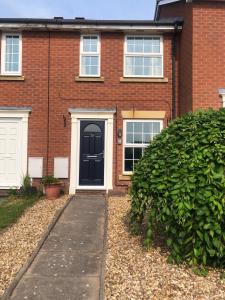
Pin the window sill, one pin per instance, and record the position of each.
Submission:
(124, 177)
(89, 79)
(143, 80)
(11, 78)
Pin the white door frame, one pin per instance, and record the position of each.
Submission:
(91, 114)
(21, 114)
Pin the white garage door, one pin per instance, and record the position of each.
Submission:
(10, 153)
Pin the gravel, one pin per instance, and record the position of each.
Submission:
(19, 240)
(133, 273)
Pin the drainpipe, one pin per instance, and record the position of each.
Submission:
(174, 71)
(48, 105)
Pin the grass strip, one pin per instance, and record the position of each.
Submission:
(12, 208)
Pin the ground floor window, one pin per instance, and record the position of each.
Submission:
(137, 135)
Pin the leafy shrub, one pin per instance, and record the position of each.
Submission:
(180, 184)
(49, 179)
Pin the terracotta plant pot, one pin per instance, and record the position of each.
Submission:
(52, 191)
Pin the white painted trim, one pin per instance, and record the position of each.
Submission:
(101, 115)
(3, 52)
(22, 117)
(161, 54)
(97, 54)
(135, 145)
(82, 187)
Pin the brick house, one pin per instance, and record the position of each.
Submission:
(81, 99)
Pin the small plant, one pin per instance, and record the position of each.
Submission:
(200, 271)
(26, 182)
(27, 190)
(51, 186)
(49, 180)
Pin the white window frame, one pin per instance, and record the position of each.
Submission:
(135, 145)
(97, 54)
(161, 54)
(3, 52)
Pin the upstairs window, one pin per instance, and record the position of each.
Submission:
(11, 54)
(137, 136)
(90, 56)
(143, 56)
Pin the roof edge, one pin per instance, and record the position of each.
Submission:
(162, 2)
(86, 24)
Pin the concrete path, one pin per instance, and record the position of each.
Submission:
(69, 265)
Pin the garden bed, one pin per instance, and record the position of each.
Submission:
(133, 273)
(18, 241)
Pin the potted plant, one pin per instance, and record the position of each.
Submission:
(52, 186)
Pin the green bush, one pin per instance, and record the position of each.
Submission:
(49, 179)
(180, 185)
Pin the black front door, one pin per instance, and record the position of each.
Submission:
(92, 135)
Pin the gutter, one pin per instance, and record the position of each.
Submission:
(83, 24)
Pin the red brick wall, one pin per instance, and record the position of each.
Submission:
(65, 93)
(202, 48)
(208, 54)
(32, 91)
(180, 9)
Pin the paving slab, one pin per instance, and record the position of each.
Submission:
(71, 229)
(70, 263)
(58, 288)
(66, 264)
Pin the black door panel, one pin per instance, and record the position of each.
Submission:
(92, 153)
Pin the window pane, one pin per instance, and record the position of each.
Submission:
(147, 137)
(156, 127)
(129, 153)
(92, 128)
(142, 63)
(12, 53)
(138, 127)
(135, 162)
(137, 138)
(128, 166)
(93, 70)
(139, 134)
(143, 66)
(137, 153)
(90, 44)
(89, 65)
(129, 138)
(143, 44)
(130, 44)
(130, 127)
(147, 127)
(156, 45)
(138, 45)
